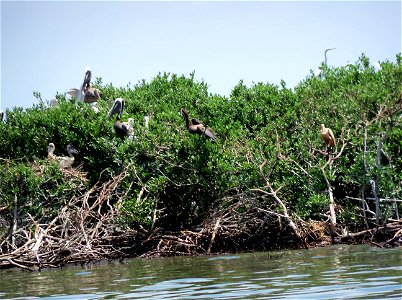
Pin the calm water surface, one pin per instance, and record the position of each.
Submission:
(337, 272)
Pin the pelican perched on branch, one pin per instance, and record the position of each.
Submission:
(91, 94)
(63, 161)
(318, 73)
(122, 129)
(196, 127)
(87, 93)
(328, 136)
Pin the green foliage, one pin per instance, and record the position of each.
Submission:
(180, 176)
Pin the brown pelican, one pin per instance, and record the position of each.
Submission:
(1, 116)
(318, 73)
(327, 136)
(91, 94)
(194, 126)
(122, 129)
(87, 93)
(63, 161)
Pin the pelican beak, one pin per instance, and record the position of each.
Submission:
(115, 109)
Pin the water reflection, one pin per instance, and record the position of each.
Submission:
(348, 272)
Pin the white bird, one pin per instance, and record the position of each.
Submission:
(318, 73)
(129, 127)
(53, 103)
(146, 122)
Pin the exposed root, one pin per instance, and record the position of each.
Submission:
(84, 230)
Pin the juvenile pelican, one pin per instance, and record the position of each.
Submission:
(327, 136)
(63, 161)
(318, 73)
(195, 127)
(50, 152)
(122, 129)
(67, 161)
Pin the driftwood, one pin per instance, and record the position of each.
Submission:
(388, 235)
(242, 222)
(84, 230)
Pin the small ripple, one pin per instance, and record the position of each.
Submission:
(229, 257)
(86, 273)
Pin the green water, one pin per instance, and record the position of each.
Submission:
(337, 272)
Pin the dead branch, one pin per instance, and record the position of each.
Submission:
(84, 230)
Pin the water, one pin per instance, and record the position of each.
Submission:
(337, 272)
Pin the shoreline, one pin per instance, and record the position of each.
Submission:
(161, 243)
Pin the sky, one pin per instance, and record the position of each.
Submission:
(46, 45)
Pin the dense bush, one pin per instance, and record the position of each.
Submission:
(181, 177)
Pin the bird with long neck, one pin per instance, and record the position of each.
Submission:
(50, 152)
(86, 93)
(196, 127)
(318, 73)
(328, 136)
(91, 94)
(122, 129)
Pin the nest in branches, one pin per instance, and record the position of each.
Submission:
(84, 230)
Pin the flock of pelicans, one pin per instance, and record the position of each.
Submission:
(89, 94)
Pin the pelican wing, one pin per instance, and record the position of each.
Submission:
(331, 136)
(121, 129)
(116, 109)
(199, 129)
(195, 121)
(91, 95)
(65, 161)
(209, 133)
(127, 127)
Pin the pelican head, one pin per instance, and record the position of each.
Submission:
(328, 49)
(117, 108)
(51, 147)
(130, 122)
(87, 78)
(71, 150)
(325, 53)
